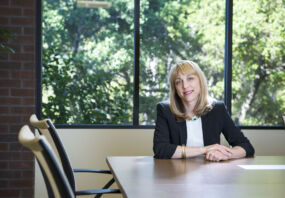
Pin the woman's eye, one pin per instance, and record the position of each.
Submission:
(190, 78)
(178, 82)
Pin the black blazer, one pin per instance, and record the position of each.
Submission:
(169, 132)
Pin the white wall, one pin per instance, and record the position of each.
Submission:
(88, 148)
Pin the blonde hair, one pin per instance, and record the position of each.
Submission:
(204, 103)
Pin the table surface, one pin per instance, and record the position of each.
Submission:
(144, 176)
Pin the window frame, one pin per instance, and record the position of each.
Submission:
(136, 69)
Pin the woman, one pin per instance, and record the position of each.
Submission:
(191, 123)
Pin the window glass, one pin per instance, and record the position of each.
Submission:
(88, 57)
(258, 85)
(174, 30)
(87, 61)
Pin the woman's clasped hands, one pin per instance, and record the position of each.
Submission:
(217, 152)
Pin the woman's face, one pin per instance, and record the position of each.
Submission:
(188, 88)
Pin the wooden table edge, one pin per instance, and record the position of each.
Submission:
(116, 179)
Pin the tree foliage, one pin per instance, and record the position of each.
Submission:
(6, 36)
(88, 57)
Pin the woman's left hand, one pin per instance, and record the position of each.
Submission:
(216, 155)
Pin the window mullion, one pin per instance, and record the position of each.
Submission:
(136, 63)
(228, 55)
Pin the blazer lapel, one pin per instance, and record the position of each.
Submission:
(205, 129)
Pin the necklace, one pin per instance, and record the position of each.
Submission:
(194, 118)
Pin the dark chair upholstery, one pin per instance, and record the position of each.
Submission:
(46, 128)
(47, 161)
(51, 167)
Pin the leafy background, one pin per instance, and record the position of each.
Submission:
(88, 57)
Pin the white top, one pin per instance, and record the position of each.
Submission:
(194, 133)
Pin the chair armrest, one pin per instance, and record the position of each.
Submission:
(97, 191)
(84, 170)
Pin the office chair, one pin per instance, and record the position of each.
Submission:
(51, 167)
(46, 128)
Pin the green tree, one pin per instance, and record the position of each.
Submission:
(86, 62)
(88, 57)
(258, 60)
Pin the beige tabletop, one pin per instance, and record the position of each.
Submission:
(137, 177)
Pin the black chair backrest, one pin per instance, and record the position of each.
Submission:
(46, 128)
(48, 162)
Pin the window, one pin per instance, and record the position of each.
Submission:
(172, 31)
(106, 62)
(87, 61)
(258, 84)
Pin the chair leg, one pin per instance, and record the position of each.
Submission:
(106, 187)
(98, 195)
(109, 183)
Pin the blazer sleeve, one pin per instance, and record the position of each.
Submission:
(162, 146)
(233, 134)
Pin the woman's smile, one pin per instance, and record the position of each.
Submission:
(188, 92)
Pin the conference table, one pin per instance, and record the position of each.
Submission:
(144, 176)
